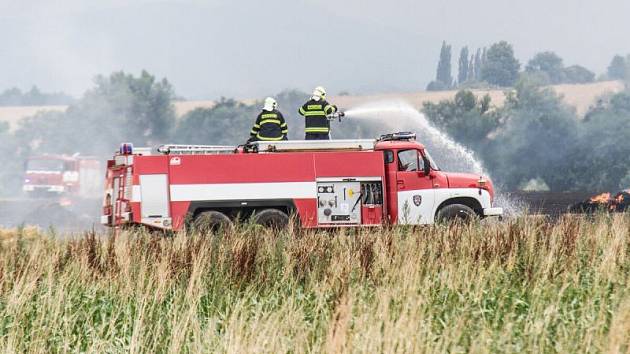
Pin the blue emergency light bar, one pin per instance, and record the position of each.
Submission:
(126, 149)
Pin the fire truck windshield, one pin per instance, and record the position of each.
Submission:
(44, 165)
(433, 164)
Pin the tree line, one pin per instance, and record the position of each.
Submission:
(534, 141)
(33, 97)
(498, 66)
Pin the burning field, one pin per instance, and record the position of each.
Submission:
(619, 202)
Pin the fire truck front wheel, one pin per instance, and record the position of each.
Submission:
(272, 218)
(211, 220)
(456, 212)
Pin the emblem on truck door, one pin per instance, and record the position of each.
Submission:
(417, 200)
(175, 161)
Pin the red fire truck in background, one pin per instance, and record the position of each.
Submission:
(336, 183)
(62, 176)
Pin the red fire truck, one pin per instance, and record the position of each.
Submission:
(61, 175)
(391, 180)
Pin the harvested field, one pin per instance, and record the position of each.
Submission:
(579, 96)
(526, 285)
(548, 203)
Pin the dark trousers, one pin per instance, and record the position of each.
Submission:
(317, 136)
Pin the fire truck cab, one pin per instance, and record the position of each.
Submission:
(337, 183)
(61, 175)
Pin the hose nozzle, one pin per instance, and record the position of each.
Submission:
(336, 115)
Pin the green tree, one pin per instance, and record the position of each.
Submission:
(462, 75)
(617, 68)
(537, 140)
(478, 65)
(444, 65)
(443, 78)
(227, 123)
(119, 108)
(464, 118)
(500, 67)
(470, 75)
(577, 74)
(604, 155)
(548, 63)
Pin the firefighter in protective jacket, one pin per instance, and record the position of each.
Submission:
(270, 124)
(317, 125)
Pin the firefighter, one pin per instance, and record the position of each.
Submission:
(270, 124)
(317, 126)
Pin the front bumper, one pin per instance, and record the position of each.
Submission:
(492, 212)
(108, 219)
(46, 188)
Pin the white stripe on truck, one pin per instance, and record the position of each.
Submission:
(243, 191)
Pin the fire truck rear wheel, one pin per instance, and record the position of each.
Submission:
(212, 220)
(456, 212)
(272, 218)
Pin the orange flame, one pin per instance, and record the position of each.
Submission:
(603, 198)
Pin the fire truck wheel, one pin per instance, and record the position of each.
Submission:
(272, 218)
(211, 220)
(456, 212)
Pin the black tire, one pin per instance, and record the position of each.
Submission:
(211, 221)
(272, 218)
(456, 212)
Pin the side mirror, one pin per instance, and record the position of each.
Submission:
(427, 166)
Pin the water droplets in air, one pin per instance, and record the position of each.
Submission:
(391, 117)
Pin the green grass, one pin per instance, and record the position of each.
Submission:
(523, 285)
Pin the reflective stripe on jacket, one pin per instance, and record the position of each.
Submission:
(270, 125)
(315, 113)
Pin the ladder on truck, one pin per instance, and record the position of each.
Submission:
(196, 149)
(272, 146)
(315, 145)
(124, 180)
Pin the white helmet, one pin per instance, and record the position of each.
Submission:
(270, 104)
(319, 93)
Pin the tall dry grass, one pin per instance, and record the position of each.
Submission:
(523, 285)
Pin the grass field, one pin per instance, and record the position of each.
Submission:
(522, 285)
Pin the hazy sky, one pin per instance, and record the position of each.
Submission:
(248, 49)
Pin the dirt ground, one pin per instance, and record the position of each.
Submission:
(44, 213)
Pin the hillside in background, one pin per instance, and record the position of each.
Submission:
(580, 96)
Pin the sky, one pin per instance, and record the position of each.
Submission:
(250, 49)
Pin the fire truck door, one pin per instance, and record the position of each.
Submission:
(415, 192)
(154, 196)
